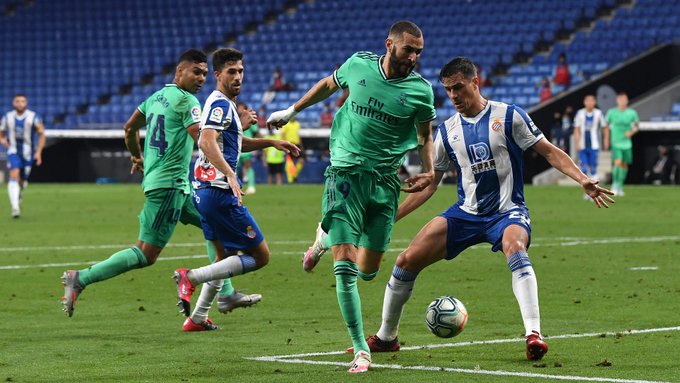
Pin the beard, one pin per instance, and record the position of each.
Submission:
(401, 68)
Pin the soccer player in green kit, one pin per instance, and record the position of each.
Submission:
(623, 125)
(388, 112)
(171, 116)
(246, 159)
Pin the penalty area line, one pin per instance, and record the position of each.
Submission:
(462, 370)
(297, 358)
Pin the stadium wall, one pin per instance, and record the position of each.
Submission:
(637, 77)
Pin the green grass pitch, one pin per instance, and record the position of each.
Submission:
(127, 329)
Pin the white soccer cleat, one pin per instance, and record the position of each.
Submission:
(250, 190)
(314, 253)
(361, 362)
(235, 300)
(16, 213)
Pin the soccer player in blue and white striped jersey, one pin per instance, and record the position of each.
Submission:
(18, 128)
(485, 142)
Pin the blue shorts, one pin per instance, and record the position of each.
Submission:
(15, 161)
(223, 220)
(466, 229)
(588, 159)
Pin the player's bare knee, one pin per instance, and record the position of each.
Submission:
(408, 261)
(512, 246)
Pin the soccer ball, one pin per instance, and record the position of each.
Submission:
(446, 317)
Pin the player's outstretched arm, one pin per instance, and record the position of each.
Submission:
(415, 200)
(132, 126)
(249, 144)
(40, 129)
(562, 162)
(208, 144)
(421, 180)
(319, 92)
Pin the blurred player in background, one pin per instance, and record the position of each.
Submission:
(588, 125)
(485, 142)
(388, 112)
(623, 123)
(245, 162)
(18, 128)
(291, 132)
(217, 195)
(171, 117)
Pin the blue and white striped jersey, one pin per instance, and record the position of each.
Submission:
(589, 125)
(19, 131)
(219, 113)
(487, 151)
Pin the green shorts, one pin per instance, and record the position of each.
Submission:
(359, 206)
(162, 210)
(625, 155)
(245, 157)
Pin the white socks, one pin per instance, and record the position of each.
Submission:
(397, 293)
(525, 287)
(13, 189)
(208, 292)
(226, 268)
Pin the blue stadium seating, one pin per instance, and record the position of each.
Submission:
(68, 53)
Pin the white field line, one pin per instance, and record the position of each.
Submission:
(570, 242)
(559, 241)
(643, 268)
(66, 264)
(296, 358)
(468, 371)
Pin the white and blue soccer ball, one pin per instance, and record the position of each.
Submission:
(446, 317)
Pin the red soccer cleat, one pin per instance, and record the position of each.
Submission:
(184, 290)
(376, 344)
(190, 325)
(536, 347)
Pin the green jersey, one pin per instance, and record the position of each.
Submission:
(250, 132)
(168, 146)
(621, 122)
(377, 122)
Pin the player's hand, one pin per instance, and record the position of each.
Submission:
(418, 183)
(287, 147)
(38, 158)
(628, 134)
(281, 117)
(598, 194)
(4, 142)
(137, 164)
(247, 117)
(236, 189)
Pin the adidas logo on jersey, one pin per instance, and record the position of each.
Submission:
(362, 82)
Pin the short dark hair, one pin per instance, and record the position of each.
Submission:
(19, 95)
(194, 56)
(622, 93)
(223, 56)
(402, 26)
(462, 65)
(243, 104)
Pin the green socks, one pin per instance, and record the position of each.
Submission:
(349, 301)
(119, 263)
(615, 176)
(619, 175)
(251, 177)
(227, 288)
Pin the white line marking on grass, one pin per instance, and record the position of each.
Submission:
(643, 268)
(296, 358)
(465, 371)
(43, 265)
(559, 241)
(395, 250)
